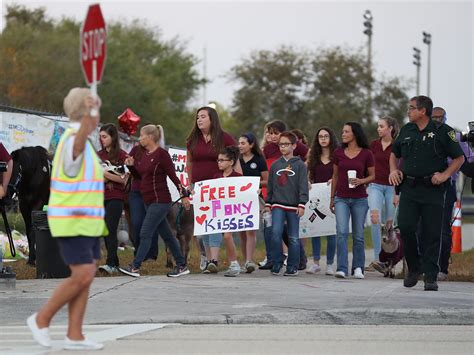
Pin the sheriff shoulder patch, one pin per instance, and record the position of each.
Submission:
(452, 135)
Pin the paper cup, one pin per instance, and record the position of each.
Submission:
(351, 174)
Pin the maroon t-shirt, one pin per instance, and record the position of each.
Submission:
(204, 159)
(360, 163)
(154, 168)
(4, 156)
(322, 172)
(272, 151)
(382, 162)
(220, 174)
(113, 190)
(137, 152)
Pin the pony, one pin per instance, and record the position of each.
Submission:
(30, 182)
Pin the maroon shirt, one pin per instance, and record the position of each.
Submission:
(154, 168)
(272, 151)
(4, 156)
(360, 163)
(220, 174)
(137, 152)
(322, 172)
(204, 159)
(382, 161)
(113, 190)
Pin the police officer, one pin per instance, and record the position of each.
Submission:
(424, 147)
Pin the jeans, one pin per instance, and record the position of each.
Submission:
(380, 199)
(279, 216)
(267, 236)
(212, 240)
(330, 250)
(446, 235)
(113, 212)
(137, 215)
(155, 220)
(355, 208)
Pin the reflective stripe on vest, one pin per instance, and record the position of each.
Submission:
(76, 204)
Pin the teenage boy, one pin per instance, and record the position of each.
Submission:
(287, 194)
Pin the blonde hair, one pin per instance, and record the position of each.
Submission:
(75, 103)
(154, 131)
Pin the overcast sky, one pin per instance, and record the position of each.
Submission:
(230, 30)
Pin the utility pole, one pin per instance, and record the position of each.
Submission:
(368, 31)
(427, 41)
(204, 76)
(417, 62)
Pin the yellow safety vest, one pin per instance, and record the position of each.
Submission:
(76, 204)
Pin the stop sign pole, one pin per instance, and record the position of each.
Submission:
(93, 48)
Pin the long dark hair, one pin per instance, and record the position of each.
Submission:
(114, 152)
(361, 138)
(216, 131)
(250, 137)
(317, 150)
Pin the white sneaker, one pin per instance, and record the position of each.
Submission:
(313, 269)
(329, 270)
(85, 344)
(40, 335)
(358, 273)
(285, 257)
(263, 262)
(203, 263)
(340, 274)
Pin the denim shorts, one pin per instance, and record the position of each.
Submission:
(79, 250)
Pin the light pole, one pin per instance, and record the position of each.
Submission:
(417, 62)
(427, 41)
(368, 31)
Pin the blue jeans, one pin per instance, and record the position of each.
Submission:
(279, 217)
(380, 199)
(267, 236)
(355, 208)
(212, 240)
(137, 215)
(330, 250)
(155, 220)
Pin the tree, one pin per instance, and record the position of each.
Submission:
(39, 63)
(308, 90)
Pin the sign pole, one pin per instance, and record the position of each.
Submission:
(94, 111)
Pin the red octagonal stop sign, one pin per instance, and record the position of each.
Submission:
(93, 44)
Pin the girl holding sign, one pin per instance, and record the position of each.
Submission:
(320, 168)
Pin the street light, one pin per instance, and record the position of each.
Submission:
(417, 62)
(427, 41)
(368, 32)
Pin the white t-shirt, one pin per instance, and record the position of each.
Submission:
(71, 167)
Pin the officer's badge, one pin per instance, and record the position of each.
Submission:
(431, 135)
(452, 135)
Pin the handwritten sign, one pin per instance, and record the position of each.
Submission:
(178, 156)
(226, 205)
(318, 220)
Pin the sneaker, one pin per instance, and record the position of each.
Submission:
(293, 272)
(313, 269)
(411, 279)
(178, 271)
(285, 258)
(266, 266)
(340, 274)
(442, 276)
(263, 262)
(203, 263)
(233, 270)
(250, 267)
(378, 266)
(85, 344)
(40, 335)
(358, 273)
(130, 271)
(329, 270)
(276, 270)
(212, 267)
(109, 270)
(431, 286)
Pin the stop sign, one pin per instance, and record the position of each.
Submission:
(93, 44)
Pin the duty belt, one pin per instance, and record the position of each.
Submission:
(416, 181)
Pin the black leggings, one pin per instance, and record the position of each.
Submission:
(113, 212)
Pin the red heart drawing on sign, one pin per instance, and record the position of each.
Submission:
(204, 208)
(201, 219)
(246, 187)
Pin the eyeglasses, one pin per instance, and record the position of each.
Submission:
(411, 108)
(283, 145)
(325, 136)
(222, 160)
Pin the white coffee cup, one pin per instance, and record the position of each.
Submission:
(351, 174)
(267, 217)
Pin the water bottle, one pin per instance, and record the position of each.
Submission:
(267, 217)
